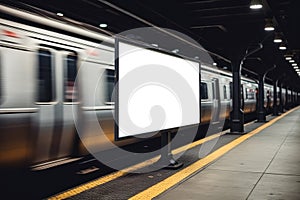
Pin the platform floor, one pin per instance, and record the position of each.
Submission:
(265, 166)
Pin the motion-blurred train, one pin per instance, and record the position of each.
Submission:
(38, 93)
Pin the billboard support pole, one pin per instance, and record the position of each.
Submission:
(166, 152)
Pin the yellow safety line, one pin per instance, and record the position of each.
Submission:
(115, 175)
(169, 182)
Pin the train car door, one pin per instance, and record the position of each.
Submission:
(56, 77)
(69, 102)
(216, 100)
(17, 97)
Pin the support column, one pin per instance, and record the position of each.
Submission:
(275, 107)
(280, 98)
(261, 113)
(292, 98)
(237, 114)
(286, 106)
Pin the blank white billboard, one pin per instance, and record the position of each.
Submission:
(156, 91)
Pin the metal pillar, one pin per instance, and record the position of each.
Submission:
(261, 112)
(275, 107)
(280, 99)
(286, 106)
(292, 99)
(237, 114)
(167, 160)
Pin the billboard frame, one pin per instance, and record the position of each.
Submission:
(116, 86)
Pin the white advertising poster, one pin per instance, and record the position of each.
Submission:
(156, 91)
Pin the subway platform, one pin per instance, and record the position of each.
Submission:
(265, 166)
(262, 164)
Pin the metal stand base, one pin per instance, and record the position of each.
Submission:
(167, 159)
(237, 133)
(173, 163)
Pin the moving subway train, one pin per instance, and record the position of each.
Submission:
(38, 69)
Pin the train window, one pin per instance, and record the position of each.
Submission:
(225, 91)
(203, 91)
(110, 80)
(250, 93)
(70, 90)
(45, 77)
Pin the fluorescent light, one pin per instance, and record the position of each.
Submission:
(277, 40)
(256, 4)
(294, 64)
(215, 64)
(103, 25)
(155, 45)
(269, 25)
(282, 48)
(60, 14)
(288, 58)
(269, 28)
(295, 67)
(291, 61)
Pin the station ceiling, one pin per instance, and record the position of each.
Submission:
(224, 27)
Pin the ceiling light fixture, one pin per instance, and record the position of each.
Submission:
(60, 14)
(103, 25)
(269, 25)
(288, 58)
(277, 38)
(256, 4)
(282, 46)
(215, 64)
(291, 61)
(294, 64)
